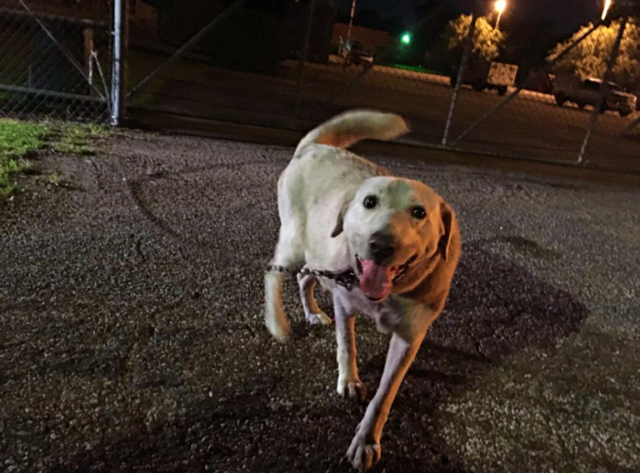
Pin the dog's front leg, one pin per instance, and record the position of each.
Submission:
(275, 318)
(349, 384)
(365, 449)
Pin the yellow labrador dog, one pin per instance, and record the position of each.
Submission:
(384, 246)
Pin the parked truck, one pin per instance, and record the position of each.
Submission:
(570, 88)
(481, 75)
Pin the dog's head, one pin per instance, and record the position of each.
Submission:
(391, 223)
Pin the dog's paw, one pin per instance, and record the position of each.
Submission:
(364, 452)
(278, 327)
(282, 334)
(318, 318)
(352, 389)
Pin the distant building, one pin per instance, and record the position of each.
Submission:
(372, 41)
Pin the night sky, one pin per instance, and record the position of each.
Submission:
(567, 15)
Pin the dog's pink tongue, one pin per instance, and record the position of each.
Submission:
(375, 280)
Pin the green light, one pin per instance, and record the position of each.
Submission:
(406, 38)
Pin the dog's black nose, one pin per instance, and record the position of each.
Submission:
(382, 246)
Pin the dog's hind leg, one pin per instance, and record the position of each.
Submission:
(288, 254)
(312, 312)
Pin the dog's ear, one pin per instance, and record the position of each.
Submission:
(337, 230)
(448, 218)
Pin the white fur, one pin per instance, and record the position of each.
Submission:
(324, 225)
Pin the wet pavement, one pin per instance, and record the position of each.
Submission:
(132, 335)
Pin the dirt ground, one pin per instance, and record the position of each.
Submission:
(132, 335)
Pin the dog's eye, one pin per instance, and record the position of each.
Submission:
(370, 202)
(418, 212)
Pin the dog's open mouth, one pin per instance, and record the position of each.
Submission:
(376, 280)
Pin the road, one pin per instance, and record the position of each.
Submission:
(132, 336)
(531, 125)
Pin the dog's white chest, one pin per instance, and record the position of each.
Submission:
(387, 315)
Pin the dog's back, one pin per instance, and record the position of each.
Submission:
(320, 181)
(322, 168)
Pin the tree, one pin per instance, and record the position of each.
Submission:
(590, 57)
(520, 49)
(435, 16)
(487, 41)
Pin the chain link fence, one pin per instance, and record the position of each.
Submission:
(55, 59)
(291, 64)
(572, 108)
(476, 82)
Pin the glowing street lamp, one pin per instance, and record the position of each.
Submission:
(607, 5)
(500, 6)
(406, 38)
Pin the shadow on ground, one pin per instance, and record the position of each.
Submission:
(495, 310)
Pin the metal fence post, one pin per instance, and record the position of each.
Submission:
(547, 67)
(603, 88)
(118, 80)
(463, 66)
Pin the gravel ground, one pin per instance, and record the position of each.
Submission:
(132, 336)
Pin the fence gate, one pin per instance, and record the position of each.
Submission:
(55, 59)
(290, 64)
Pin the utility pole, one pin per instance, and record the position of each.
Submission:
(119, 74)
(353, 12)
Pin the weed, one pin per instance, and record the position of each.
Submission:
(54, 179)
(76, 139)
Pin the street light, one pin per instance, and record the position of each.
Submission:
(500, 6)
(406, 38)
(607, 5)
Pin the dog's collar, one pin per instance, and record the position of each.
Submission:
(346, 279)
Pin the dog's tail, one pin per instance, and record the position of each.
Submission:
(350, 127)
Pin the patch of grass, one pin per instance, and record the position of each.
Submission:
(76, 139)
(416, 69)
(17, 139)
(57, 180)
(54, 179)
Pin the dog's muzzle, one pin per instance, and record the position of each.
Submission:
(402, 270)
